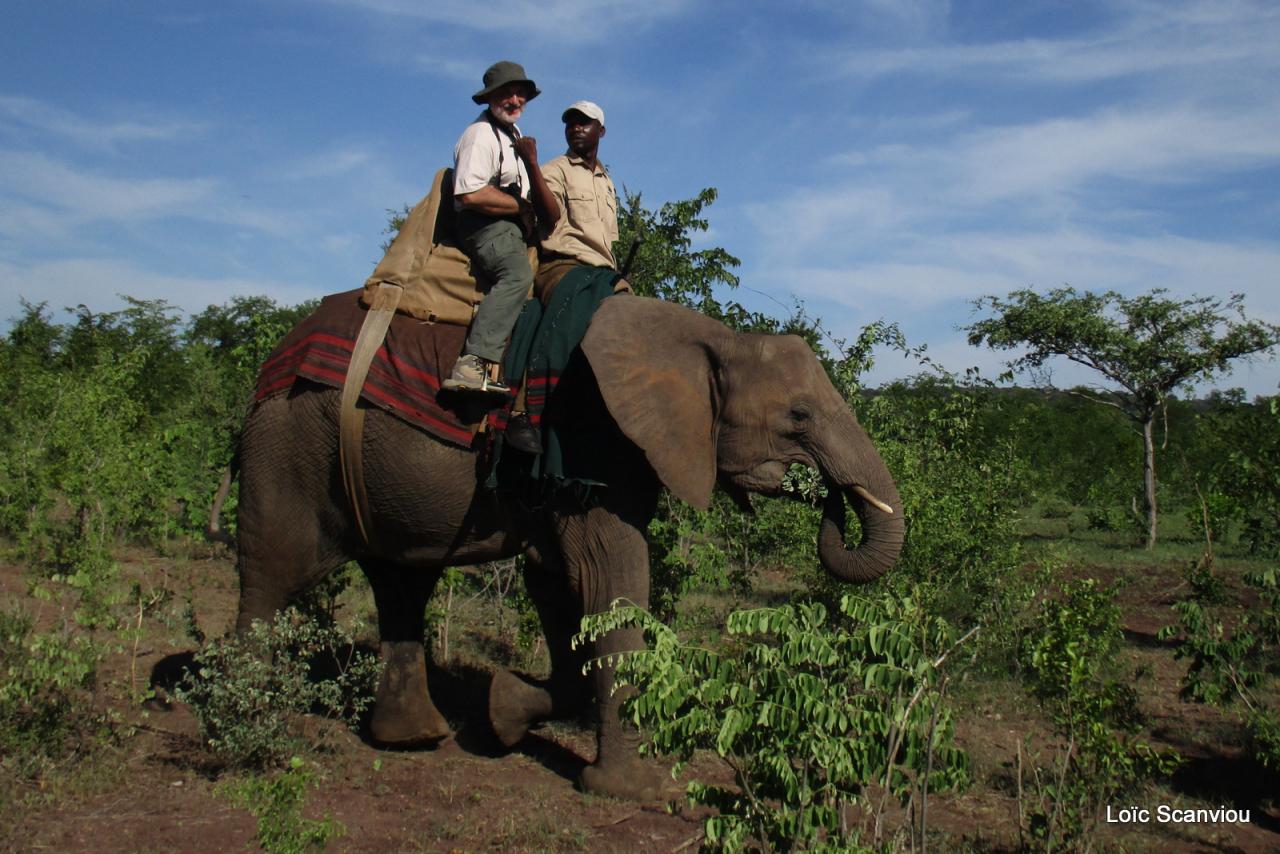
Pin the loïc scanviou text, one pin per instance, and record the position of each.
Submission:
(1164, 814)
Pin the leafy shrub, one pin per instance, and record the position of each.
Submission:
(1068, 668)
(44, 689)
(1110, 506)
(248, 691)
(1214, 515)
(277, 803)
(116, 424)
(694, 550)
(962, 487)
(1239, 456)
(1055, 508)
(808, 715)
(1233, 663)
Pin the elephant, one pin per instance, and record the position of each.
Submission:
(676, 398)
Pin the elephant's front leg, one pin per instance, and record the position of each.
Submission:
(403, 713)
(607, 559)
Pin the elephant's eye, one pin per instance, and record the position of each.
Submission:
(801, 416)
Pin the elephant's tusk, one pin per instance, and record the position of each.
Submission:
(872, 500)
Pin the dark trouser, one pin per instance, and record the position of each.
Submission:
(498, 249)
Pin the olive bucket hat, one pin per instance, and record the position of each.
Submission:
(499, 75)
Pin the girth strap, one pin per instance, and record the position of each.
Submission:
(351, 416)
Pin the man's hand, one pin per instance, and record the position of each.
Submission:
(527, 148)
(528, 219)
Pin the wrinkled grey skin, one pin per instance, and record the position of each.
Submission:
(683, 402)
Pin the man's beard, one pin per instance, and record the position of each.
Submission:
(507, 117)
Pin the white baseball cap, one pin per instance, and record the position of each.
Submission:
(589, 109)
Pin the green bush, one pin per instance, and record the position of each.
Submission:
(117, 424)
(277, 802)
(1068, 666)
(247, 692)
(1232, 662)
(1214, 516)
(962, 485)
(695, 550)
(809, 715)
(45, 700)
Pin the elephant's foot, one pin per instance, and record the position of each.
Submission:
(403, 713)
(631, 779)
(515, 705)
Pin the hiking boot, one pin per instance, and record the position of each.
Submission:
(522, 435)
(471, 373)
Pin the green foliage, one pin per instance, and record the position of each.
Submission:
(808, 714)
(665, 264)
(1147, 346)
(1068, 667)
(248, 692)
(1216, 514)
(277, 802)
(119, 422)
(962, 485)
(1110, 504)
(1232, 662)
(1237, 459)
(694, 550)
(45, 684)
(1068, 444)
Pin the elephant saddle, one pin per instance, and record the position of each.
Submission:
(405, 375)
(439, 282)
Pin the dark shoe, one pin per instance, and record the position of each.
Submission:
(522, 435)
(471, 373)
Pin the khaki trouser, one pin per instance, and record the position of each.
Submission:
(498, 249)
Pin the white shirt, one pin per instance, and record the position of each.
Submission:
(476, 160)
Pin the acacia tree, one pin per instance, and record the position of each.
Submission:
(1145, 347)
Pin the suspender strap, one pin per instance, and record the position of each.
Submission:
(513, 134)
(351, 417)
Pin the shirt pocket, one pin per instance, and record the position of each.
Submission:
(582, 207)
(610, 206)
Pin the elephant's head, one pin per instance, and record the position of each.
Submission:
(706, 404)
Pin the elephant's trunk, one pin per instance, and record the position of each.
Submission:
(882, 536)
(875, 499)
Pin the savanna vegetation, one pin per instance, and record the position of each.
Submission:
(1036, 660)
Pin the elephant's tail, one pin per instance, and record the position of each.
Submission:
(213, 531)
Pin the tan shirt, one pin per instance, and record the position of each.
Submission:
(588, 222)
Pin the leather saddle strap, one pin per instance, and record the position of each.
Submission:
(351, 418)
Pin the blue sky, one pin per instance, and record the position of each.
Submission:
(874, 159)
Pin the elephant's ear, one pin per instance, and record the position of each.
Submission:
(653, 362)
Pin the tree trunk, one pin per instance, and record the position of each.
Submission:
(1149, 475)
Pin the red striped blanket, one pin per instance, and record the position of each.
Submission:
(404, 378)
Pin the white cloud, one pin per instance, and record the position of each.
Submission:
(98, 282)
(812, 217)
(892, 289)
(1148, 40)
(33, 114)
(1180, 145)
(1043, 173)
(44, 181)
(576, 20)
(326, 164)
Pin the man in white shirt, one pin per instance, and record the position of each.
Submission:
(495, 177)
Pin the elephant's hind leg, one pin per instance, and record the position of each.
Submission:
(403, 714)
(516, 705)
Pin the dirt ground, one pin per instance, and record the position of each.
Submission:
(156, 789)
